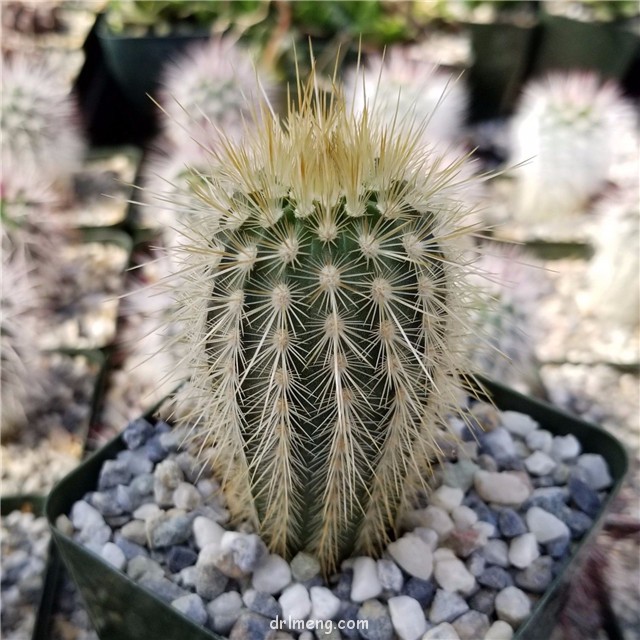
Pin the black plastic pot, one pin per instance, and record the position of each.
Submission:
(136, 62)
(501, 58)
(122, 610)
(605, 47)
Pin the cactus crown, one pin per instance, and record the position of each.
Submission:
(37, 121)
(401, 85)
(207, 90)
(322, 305)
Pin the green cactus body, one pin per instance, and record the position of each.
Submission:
(322, 304)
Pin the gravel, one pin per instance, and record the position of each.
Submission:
(473, 557)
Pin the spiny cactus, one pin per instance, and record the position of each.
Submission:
(566, 129)
(209, 90)
(322, 304)
(401, 86)
(507, 330)
(614, 274)
(38, 122)
(17, 340)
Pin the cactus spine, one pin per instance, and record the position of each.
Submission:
(322, 302)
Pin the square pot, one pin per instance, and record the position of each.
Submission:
(123, 610)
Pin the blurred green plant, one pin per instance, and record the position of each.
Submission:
(164, 16)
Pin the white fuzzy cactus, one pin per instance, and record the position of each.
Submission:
(614, 274)
(566, 130)
(503, 346)
(401, 86)
(38, 122)
(18, 354)
(209, 90)
(323, 306)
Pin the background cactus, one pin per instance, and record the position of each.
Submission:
(614, 274)
(17, 344)
(38, 122)
(401, 85)
(565, 130)
(507, 319)
(210, 89)
(322, 304)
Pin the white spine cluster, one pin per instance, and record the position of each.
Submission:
(399, 86)
(614, 274)
(565, 130)
(38, 122)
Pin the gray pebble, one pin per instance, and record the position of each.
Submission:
(154, 450)
(471, 625)
(378, 622)
(251, 626)
(129, 548)
(390, 576)
(584, 497)
(166, 478)
(446, 607)
(498, 444)
(136, 461)
(142, 485)
(210, 582)
(144, 567)
(476, 563)
(537, 576)
(137, 433)
(595, 470)
(135, 531)
(180, 557)
(191, 468)
(106, 502)
(559, 547)
(304, 567)
(165, 529)
(262, 603)
(192, 607)
(496, 552)
(459, 474)
(511, 523)
(483, 601)
(495, 578)
(165, 589)
(224, 611)
(113, 473)
(578, 522)
(420, 590)
(188, 577)
(186, 497)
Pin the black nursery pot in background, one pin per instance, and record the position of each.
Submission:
(136, 62)
(122, 610)
(501, 58)
(608, 48)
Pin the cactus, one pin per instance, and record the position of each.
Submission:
(402, 86)
(38, 122)
(614, 274)
(565, 129)
(17, 340)
(322, 306)
(507, 327)
(208, 90)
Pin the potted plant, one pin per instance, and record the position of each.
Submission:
(139, 37)
(323, 305)
(590, 35)
(503, 37)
